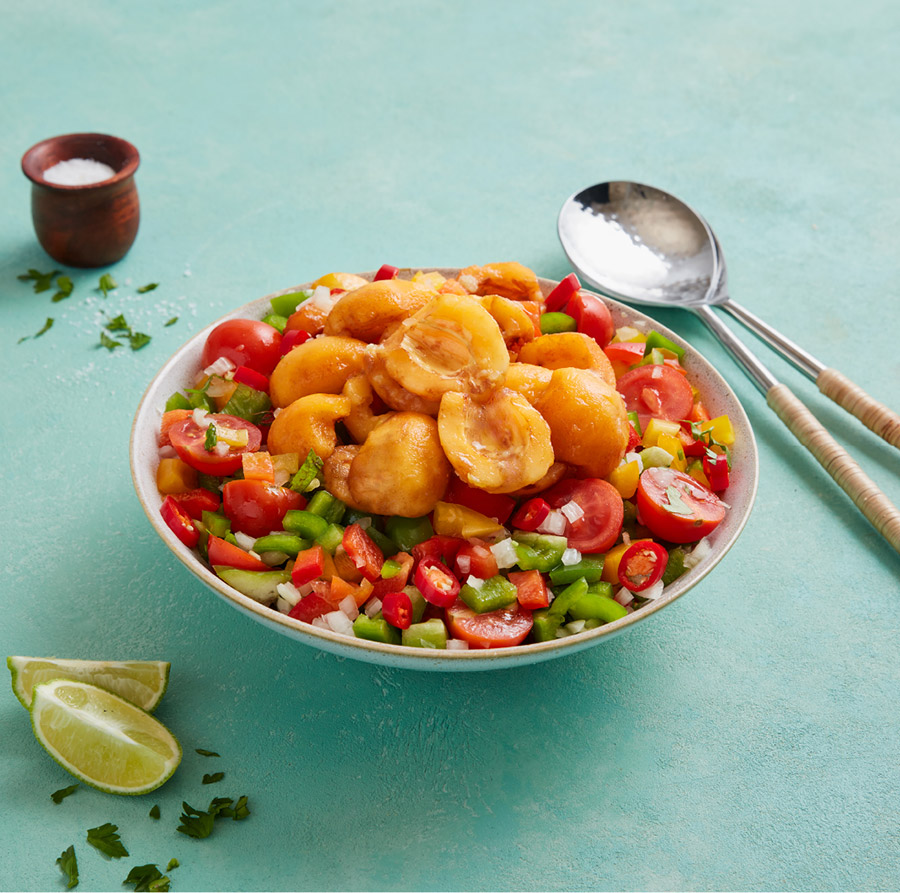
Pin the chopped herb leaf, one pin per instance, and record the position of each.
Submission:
(154, 813)
(676, 504)
(107, 284)
(64, 286)
(118, 324)
(146, 878)
(213, 777)
(62, 793)
(172, 321)
(42, 281)
(109, 343)
(68, 865)
(46, 328)
(307, 477)
(221, 806)
(173, 863)
(206, 753)
(211, 437)
(195, 823)
(106, 839)
(148, 287)
(241, 811)
(138, 340)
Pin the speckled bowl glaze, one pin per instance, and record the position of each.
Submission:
(184, 365)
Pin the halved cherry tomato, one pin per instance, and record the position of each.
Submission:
(257, 507)
(675, 507)
(592, 316)
(293, 338)
(532, 590)
(189, 440)
(359, 547)
(179, 522)
(397, 609)
(386, 271)
(559, 297)
(476, 558)
(436, 583)
(531, 514)
(221, 552)
(492, 505)
(196, 502)
(251, 378)
(656, 391)
(308, 566)
(642, 565)
(493, 629)
(246, 342)
(309, 607)
(603, 509)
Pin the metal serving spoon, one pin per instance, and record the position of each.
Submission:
(641, 245)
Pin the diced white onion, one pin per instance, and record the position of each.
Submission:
(322, 298)
(457, 645)
(167, 452)
(245, 541)
(277, 412)
(624, 597)
(554, 523)
(372, 606)
(570, 557)
(273, 559)
(652, 592)
(576, 626)
(697, 554)
(339, 622)
(474, 582)
(348, 606)
(200, 418)
(320, 622)
(305, 590)
(289, 593)
(219, 367)
(626, 537)
(573, 511)
(282, 477)
(221, 448)
(635, 457)
(562, 632)
(657, 371)
(283, 605)
(505, 553)
(365, 523)
(219, 387)
(463, 564)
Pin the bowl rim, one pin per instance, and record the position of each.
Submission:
(420, 658)
(35, 173)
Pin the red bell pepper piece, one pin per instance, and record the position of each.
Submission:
(396, 608)
(492, 505)
(531, 514)
(716, 470)
(382, 587)
(386, 271)
(559, 297)
(222, 552)
(179, 522)
(436, 583)
(476, 558)
(293, 338)
(309, 607)
(309, 565)
(251, 378)
(359, 547)
(532, 590)
(628, 353)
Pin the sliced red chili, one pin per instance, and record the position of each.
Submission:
(559, 297)
(531, 514)
(396, 608)
(179, 522)
(642, 565)
(436, 583)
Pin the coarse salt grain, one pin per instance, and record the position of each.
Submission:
(78, 172)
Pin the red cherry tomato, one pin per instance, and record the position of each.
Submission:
(258, 507)
(223, 553)
(246, 342)
(531, 589)
(196, 502)
(642, 565)
(436, 583)
(599, 527)
(397, 609)
(675, 507)
(559, 297)
(592, 316)
(359, 547)
(493, 629)
(656, 391)
(189, 440)
(179, 522)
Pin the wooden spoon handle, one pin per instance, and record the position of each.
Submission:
(874, 415)
(882, 513)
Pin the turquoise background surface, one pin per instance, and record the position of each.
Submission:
(746, 737)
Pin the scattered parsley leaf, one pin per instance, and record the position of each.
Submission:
(107, 342)
(154, 813)
(195, 823)
(118, 324)
(62, 793)
(64, 286)
(147, 878)
(148, 287)
(106, 839)
(676, 504)
(215, 776)
(47, 326)
(172, 321)
(137, 340)
(68, 865)
(211, 437)
(42, 281)
(241, 810)
(307, 477)
(221, 806)
(206, 753)
(107, 284)
(173, 863)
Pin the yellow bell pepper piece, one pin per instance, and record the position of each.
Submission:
(672, 445)
(695, 470)
(629, 333)
(346, 281)
(431, 280)
(236, 437)
(656, 428)
(175, 476)
(721, 428)
(625, 478)
(458, 520)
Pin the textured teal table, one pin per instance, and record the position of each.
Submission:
(746, 738)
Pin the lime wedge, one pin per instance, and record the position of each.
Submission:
(101, 738)
(143, 682)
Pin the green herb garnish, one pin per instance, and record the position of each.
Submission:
(137, 340)
(213, 777)
(206, 753)
(676, 504)
(68, 865)
(154, 813)
(109, 343)
(64, 286)
(195, 823)
(147, 878)
(106, 839)
(171, 322)
(118, 324)
(148, 287)
(173, 863)
(46, 328)
(62, 793)
(42, 281)
(107, 284)
(307, 476)
(211, 437)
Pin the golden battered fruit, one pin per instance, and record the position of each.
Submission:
(345, 281)
(308, 424)
(361, 420)
(368, 312)
(516, 326)
(400, 469)
(509, 279)
(391, 391)
(587, 419)
(564, 349)
(528, 380)
(318, 366)
(336, 471)
(499, 445)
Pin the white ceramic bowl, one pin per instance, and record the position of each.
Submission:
(184, 365)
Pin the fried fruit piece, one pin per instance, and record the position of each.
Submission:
(568, 349)
(587, 421)
(516, 325)
(361, 419)
(500, 445)
(451, 344)
(528, 380)
(318, 366)
(368, 312)
(555, 473)
(308, 424)
(336, 471)
(401, 468)
(345, 281)
(511, 280)
(392, 392)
